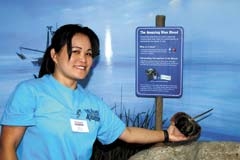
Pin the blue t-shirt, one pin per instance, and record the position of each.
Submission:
(62, 124)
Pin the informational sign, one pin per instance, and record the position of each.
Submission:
(159, 58)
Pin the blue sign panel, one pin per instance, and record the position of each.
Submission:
(159, 57)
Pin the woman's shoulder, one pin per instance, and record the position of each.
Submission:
(33, 82)
(89, 94)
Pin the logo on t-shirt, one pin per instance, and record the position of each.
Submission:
(92, 114)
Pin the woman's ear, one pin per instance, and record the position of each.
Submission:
(53, 55)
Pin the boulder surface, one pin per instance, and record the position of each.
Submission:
(193, 151)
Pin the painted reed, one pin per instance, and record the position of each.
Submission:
(120, 150)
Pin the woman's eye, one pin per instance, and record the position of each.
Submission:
(76, 51)
(89, 54)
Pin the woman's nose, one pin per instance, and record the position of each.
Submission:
(82, 57)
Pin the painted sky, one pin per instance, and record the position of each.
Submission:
(210, 27)
(211, 34)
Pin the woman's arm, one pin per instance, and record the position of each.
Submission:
(144, 136)
(9, 140)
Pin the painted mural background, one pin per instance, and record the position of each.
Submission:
(211, 75)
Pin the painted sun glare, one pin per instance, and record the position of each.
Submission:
(108, 46)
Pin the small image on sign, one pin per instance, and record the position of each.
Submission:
(165, 77)
(152, 74)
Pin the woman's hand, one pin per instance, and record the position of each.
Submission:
(175, 135)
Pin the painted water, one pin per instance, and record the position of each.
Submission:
(205, 86)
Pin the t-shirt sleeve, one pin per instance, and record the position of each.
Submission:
(111, 126)
(19, 109)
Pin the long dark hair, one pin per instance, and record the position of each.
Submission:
(62, 36)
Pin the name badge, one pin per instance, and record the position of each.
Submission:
(79, 125)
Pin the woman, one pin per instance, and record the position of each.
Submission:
(54, 118)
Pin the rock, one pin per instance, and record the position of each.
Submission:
(192, 151)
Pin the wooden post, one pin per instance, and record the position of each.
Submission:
(160, 22)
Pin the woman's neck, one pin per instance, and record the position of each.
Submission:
(70, 83)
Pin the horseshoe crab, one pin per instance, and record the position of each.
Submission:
(188, 125)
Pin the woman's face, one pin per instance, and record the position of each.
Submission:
(80, 62)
